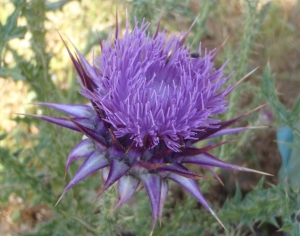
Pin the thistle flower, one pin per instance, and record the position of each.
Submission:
(151, 100)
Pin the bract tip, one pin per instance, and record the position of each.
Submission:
(246, 76)
(255, 109)
(59, 199)
(213, 57)
(217, 218)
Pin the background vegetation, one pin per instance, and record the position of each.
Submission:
(34, 66)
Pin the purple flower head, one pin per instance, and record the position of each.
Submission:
(152, 90)
(151, 99)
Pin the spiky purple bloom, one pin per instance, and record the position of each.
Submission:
(151, 100)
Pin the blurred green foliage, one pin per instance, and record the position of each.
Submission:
(288, 133)
(283, 116)
(33, 167)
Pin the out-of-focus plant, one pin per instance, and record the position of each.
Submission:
(173, 11)
(34, 169)
(288, 133)
(253, 22)
(10, 31)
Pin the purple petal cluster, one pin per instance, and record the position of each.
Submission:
(151, 99)
(151, 87)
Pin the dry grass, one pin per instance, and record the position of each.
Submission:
(16, 218)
